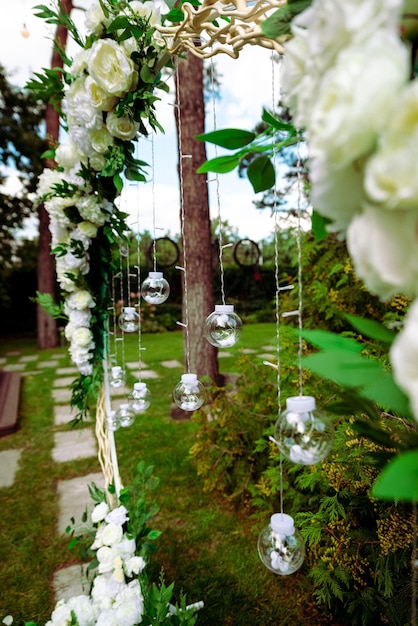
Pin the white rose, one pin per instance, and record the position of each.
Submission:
(83, 609)
(125, 548)
(105, 557)
(357, 98)
(80, 300)
(117, 516)
(95, 19)
(404, 357)
(80, 136)
(390, 176)
(79, 318)
(67, 155)
(83, 337)
(145, 10)
(79, 64)
(61, 615)
(118, 573)
(112, 534)
(383, 247)
(134, 565)
(337, 194)
(101, 139)
(107, 618)
(110, 67)
(99, 98)
(85, 368)
(102, 592)
(97, 161)
(129, 605)
(121, 127)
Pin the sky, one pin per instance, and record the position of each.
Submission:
(246, 87)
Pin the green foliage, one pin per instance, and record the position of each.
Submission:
(278, 24)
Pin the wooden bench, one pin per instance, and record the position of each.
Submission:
(10, 383)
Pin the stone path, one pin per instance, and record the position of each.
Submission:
(69, 445)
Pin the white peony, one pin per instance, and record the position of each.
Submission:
(383, 247)
(79, 106)
(101, 140)
(95, 19)
(80, 300)
(390, 176)
(105, 556)
(110, 67)
(80, 136)
(337, 193)
(83, 337)
(404, 357)
(67, 155)
(121, 127)
(83, 609)
(357, 98)
(134, 565)
(99, 98)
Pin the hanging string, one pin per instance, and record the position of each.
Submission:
(299, 253)
(218, 197)
(182, 156)
(154, 239)
(138, 265)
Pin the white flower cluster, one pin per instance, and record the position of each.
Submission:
(116, 597)
(346, 80)
(101, 75)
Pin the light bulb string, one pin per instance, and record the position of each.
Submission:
(138, 268)
(217, 191)
(154, 240)
(121, 339)
(277, 283)
(299, 258)
(182, 213)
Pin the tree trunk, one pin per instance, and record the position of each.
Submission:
(200, 355)
(46, 326)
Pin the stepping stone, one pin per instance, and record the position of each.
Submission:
(61, 396)
(248, 350)
(3, 360)
(61, 371)
(14, 367)
(13, 353)
(171, 364)
(269, 348)
(146, 374)
(63, 414)
(71, 581)
(224, 354)
(134, 365)
(9, 462)
(63, 382)
(45, 364)
(267, 355)
(74, 498)
(28, 358)
(74, 444)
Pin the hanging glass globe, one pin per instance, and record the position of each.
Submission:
(129, 319)
(303, 434)
(113, 422)
(223, 327)
(140, 397)
(189, 394)
(155, 289)
(280, 546)
(126, 415)
(117, 377)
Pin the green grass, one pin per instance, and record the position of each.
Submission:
(207, 547)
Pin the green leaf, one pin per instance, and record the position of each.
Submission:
(261, 174)
(220, 165)
(230, 138)
(118, 182)
(276, 122)
(385, 392)
(326, 340)
(175, 15)
(399, 479)
(278, 24)
(319, 226)
(348, 369)
(371, 328)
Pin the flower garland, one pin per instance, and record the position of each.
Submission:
(347, 81)
(108, 100)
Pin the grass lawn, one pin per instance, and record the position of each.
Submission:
(207, 547)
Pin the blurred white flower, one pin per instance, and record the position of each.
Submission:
(110, 67)
(121, 127)
(117, 516)
(404, 357)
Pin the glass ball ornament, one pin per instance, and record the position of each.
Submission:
(129, 319)
(189, 394)
(140, 397)
(126, 415)
(117, 377)
(155, 289)
(223, 327)
(280, 546)
(113, 422)
(303, 434)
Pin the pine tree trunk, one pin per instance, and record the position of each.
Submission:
(47, 336)
(190, 118)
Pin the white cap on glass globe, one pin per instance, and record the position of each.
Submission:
(189, 394)
(155, 289)
(223, 327)
(303, 434)
(117, 376)
(129, 319)
(280, 546)
(126, 415)
(140, 397)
